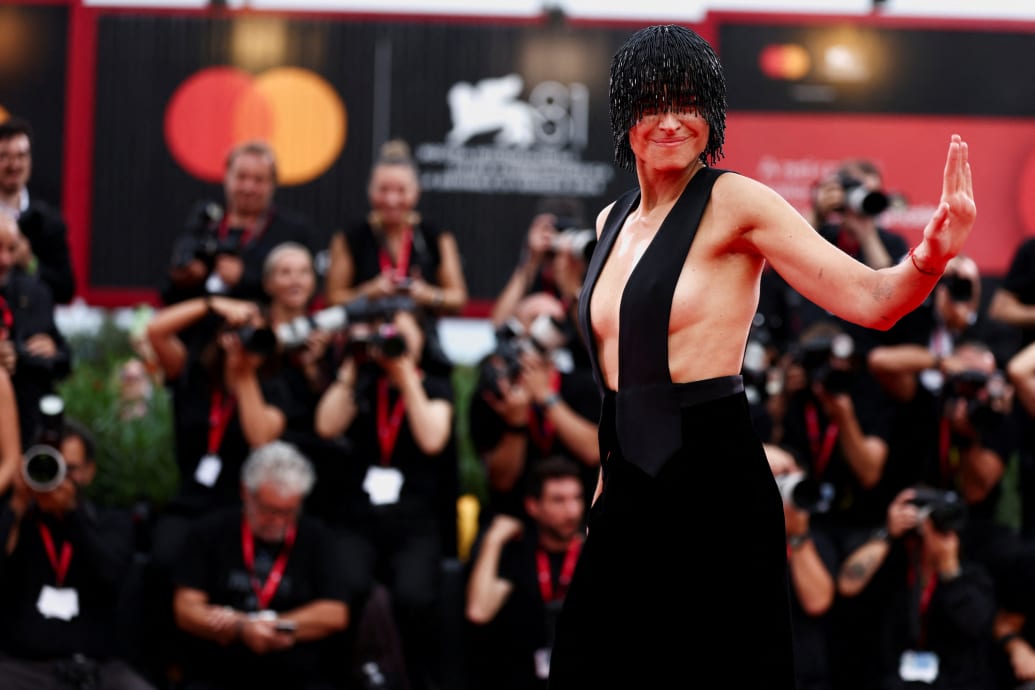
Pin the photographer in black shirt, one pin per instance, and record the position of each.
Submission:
(62, 567)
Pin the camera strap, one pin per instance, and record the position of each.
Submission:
(388, 425)
(945, 454)
(401, 265)
(821, 450)
(542, 564)
(60, 566)
(264, 592)
(219, 413)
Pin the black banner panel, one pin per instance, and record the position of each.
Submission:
(498, 116)
(33, 56)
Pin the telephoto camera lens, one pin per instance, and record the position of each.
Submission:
(43, 466)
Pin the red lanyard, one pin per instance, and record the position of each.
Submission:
(540, 428)
(542, 563)
(925, 601)
(945, 455)
(402, 266)
(219, 413)
(264, 593)
(60, 566)
(388, 427)
(820, 453)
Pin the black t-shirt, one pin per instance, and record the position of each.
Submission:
(212, 561)
(192, 395)
(579, 391)
(102, 548)
(503, 652)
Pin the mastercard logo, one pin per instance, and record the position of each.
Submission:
(787, 61)
(294, 110)
(4, 115)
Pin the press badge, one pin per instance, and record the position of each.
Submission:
(383, 485)
(919, 666)
(58, 602)
(542, 663)
(208, 470)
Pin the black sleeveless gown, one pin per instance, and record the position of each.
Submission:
(682, 581)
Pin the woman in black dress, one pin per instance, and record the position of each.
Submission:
(682, 580)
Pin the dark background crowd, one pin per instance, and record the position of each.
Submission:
(314, 539)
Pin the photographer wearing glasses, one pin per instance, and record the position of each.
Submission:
(63, 562)
(259, 591)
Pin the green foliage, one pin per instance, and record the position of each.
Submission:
(472, 472)
(135, 458)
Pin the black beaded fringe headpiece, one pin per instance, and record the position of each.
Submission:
(661, 68)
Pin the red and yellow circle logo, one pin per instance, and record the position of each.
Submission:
(788, 61)
(296, 111)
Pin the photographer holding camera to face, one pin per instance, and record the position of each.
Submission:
(932, 606)
(846, 208)
(553, 260)
(63, 562)
(531, 402)
(813, 561)
(400, 489)
(223, 247)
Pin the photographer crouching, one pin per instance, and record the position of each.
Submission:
(62, 565)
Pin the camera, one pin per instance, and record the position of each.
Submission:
(960, 289)
(43, 465)
(946, 509)
(805, 493)
(337, 318)
(202, 240)
(386, 338)
(260, 340)
(984, 393)
(544, 336)
(576, 242)
(859, 199)
(818, 356)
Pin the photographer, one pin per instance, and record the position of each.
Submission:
(846, 209)
(222, 250)
(519, 577)
(32, 349)
(525, 407)
(932, 608)
(553, 260)
(836, 421)
(260, 590)
(401, 489)
(62, 566)
(813, 561)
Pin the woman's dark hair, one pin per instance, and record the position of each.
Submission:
(664, 68)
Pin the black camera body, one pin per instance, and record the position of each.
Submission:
(946, 509)
(861, 200)
(960, 289)
(817, 357)
(385, 338)
(202, 241)
(545, 335)
(43, 465)
(340, 316)
(984, 394)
